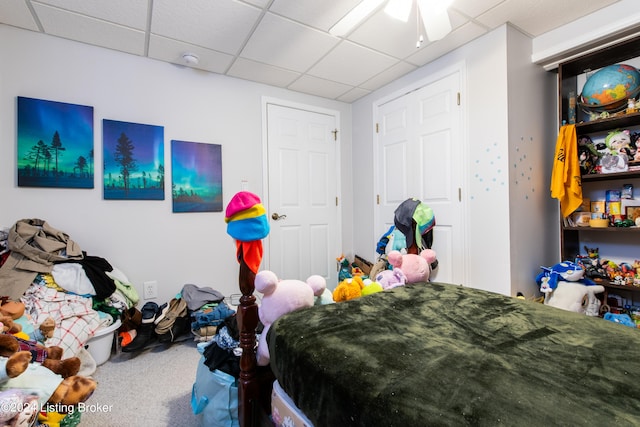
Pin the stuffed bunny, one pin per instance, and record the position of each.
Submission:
(279, 298)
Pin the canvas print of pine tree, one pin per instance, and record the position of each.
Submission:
(133, 161)
(55, 144)
(196, 176)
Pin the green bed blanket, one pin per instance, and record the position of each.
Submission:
(437, 354)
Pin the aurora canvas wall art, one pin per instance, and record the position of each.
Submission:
(196, 175)
(55, 144)
(133, 161)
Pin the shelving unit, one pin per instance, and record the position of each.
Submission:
(573, 238)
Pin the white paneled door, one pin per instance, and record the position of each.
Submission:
(419, 155)
(303, 193)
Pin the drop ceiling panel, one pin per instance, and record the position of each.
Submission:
(351, 64)
(319, 87)
(388, 75)
(534, 17)
(259, 3)
(457, 38)
(353, 95)
(221, 25)
(71, 25)
(263, 73)
(130, 13)
(473, 8)
(398, 39)
(286, 44)
(18, 14)
(321, 14)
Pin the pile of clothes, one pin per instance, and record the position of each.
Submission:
(45, 269)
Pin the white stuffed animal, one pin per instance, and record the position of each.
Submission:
(575, 296)
(279, 298)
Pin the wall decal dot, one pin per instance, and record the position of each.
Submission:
(524, 166)
(489, 167)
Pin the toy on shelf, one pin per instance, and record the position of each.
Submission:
(599, 269)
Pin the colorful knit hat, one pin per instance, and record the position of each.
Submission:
(246, 218)
(247, 223)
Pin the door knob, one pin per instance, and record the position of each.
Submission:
(275, 216)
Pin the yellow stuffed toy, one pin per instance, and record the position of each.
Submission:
(348, 289)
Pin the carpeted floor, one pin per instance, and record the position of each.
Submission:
(152, 387)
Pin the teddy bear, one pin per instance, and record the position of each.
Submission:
(13, 309)
(19, 378)
(9, 326)
(416, 267)
(280, 297)
(49, 357)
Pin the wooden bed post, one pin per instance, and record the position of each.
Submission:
(247, 318)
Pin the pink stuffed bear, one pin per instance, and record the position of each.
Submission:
(416, 268)
(279, 298)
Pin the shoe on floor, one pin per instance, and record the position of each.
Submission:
(149, 312)
(145, 335)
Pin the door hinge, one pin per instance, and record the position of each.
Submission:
(335, 134)
(459, 194)
(336, 200)
(377, 128)
(377, 199)
(458, 98)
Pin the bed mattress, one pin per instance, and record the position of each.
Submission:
(439, 354)
(284, 413)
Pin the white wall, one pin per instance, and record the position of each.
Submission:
(534, 227)
(144, 238)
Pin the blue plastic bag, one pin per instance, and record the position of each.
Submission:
(214, 397)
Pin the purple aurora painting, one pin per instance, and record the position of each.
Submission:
(196, 171)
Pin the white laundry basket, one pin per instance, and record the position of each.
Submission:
(99, 346)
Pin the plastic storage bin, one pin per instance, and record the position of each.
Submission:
(99, 346)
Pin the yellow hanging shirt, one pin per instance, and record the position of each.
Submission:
(566, 183)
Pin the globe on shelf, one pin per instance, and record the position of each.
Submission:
(609, 88)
